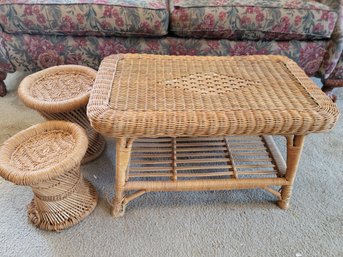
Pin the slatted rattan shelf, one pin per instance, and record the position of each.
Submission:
(205, 157)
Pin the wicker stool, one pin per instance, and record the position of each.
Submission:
(62, 93)
(47, 158)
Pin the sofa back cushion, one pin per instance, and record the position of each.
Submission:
(85, 17)
(251, 19)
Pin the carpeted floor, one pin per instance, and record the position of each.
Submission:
(223, 223)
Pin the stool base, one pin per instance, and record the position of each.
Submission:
(59, 215)
(95, 148)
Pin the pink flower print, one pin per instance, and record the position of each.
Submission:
(156, 5)
(297, 20)
(36, 9)
(213, 44)
(133, 51)
(332, 21)
(28, 23)
(28, 10)
(157, 24)
(325, 15)
(283, 26)
(41, 19)
(250, 9)
(3, 19)
(191, 51)
(80, 18)
(310, 56)
(259, 17)
(153, 45)
(107, 48)
(5, 67)
(105, 25)
(183, 16)
(318, 27)
(283, 45)
(59, 48)
(242, 48)
(73, 58)
(245, 20)
(209, 21)
(49, 58)
(80, 42)
(119, 22)
(108, 11)
(222, 16)
(145, 26)
(67, 24)
(115, 12)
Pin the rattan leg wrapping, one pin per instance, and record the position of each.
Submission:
(97, 142)
(62, 202)
(294, 148)
(123, 153)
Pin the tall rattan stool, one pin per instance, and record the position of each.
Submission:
(47, 158)
(62, 93)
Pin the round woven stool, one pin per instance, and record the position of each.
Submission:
(47, 158)
(62, 93)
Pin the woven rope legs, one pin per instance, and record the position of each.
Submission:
(62, 202)
(284, 179)
(97, 142)
(294, 148)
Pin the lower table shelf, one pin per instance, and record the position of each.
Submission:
(204, 163)
(174, 159)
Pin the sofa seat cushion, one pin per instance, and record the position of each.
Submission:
(252, 19)
(85, 17)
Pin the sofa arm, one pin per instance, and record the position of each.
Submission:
(335, 45)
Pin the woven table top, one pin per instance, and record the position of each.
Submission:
(137, 95)
(58, 89)
(42, 152)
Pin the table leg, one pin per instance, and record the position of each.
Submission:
(123, 152)
(294, 149)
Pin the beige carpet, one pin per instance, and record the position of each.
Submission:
(223, 223)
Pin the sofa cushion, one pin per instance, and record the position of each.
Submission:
(85, 17)
(252, 19)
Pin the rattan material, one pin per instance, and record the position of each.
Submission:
(189, 106)
(47, 157)
(62, 93)
(150, 95)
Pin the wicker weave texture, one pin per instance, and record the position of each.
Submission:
(42, 152)
(62, 93)
(47, 157)
(58, 89)
(139, 95)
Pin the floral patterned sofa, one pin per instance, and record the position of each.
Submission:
(35, 34)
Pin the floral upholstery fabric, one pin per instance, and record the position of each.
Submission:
(85, 17)
(46, 51)
(338, 71)
(335, 46)
(5, 64)
(252, 20)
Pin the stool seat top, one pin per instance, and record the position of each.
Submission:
(139, 95)
(42, 152)
(58, 89)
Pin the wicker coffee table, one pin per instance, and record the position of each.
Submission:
(205, 123)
